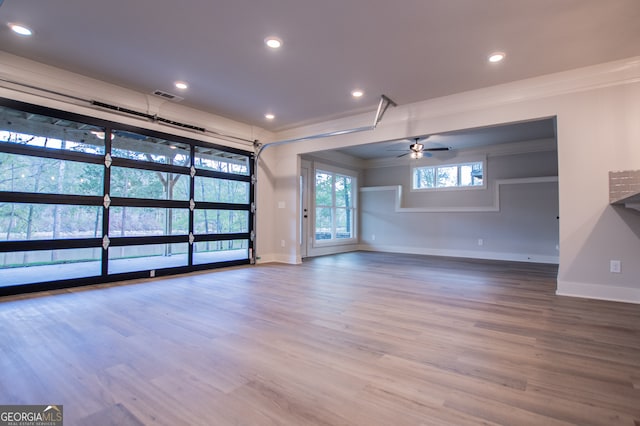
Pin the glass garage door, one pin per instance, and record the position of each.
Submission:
(85, 201)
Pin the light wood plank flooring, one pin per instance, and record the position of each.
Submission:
(353, 339)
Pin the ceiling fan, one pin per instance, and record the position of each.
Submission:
(417, 149)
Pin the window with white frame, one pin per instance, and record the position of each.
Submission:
(460, 175)
(335, 206)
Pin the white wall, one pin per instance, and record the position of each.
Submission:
(597, 110)
(598, 132)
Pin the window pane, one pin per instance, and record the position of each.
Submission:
(477, 174)
(21, 173)
(334, 206)
(25, 267)
(147, 221)
(323, 223)
(324, 188)
(134, 146)
(424, 177)
(344, 221)
(147, 257)
(221, 190)
(447, 176)
(220, 251)
(343, 191)
(220, 221)
(24, 128)
(221, 161)
(136, 183)
(471, 174)
(24, 222)
(465, 175)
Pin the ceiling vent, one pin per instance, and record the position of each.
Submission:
(168, 96)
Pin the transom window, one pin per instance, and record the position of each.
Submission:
(461, 175)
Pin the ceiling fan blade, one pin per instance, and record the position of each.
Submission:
(402, 155)
(419, 139)
(443, 148)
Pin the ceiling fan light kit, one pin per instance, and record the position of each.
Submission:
(417, 149)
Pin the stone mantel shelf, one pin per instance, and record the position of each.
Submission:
(624, 189)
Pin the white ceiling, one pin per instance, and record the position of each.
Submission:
(528, 131)
(410, 50)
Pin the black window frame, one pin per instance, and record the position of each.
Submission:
(83, 200)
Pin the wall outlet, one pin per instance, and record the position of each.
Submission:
(152, 273)
(282, 244)
(614, 266)
(480, 241)
(373, 237)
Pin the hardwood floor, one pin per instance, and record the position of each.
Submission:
(353, 339)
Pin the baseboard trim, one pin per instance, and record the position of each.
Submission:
(599, 292)
(469, 254)
(278, 258)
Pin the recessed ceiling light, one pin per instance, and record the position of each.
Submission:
(20, 29)
(273, 42)
(497, 56)
(269, 116)
(357, 93)
(181, 85)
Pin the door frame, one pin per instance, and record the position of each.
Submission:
(305, 211)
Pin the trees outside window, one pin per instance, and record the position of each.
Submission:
(76, 193)
(461, 175)
(334, 206)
